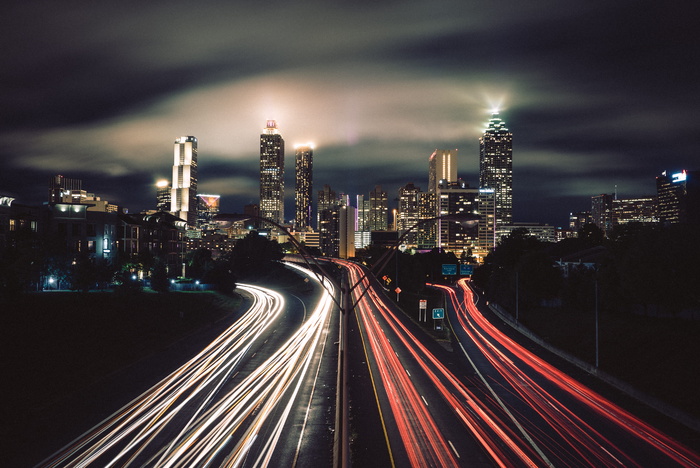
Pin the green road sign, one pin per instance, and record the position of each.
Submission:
(438, 314)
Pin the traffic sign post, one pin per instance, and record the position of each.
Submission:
(449, 269)
(422, 310)
(438, 314)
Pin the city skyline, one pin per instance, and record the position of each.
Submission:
(600, 96)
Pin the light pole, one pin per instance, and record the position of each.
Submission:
(596, 323)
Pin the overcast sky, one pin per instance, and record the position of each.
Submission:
(598, 95)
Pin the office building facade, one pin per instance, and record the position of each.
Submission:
(496, 167)
(442, 166)
(272, 173)
(303, 191)
(183, 192)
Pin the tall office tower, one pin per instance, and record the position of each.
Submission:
(496, 167)
(454, 198)
(163, 195)
(326, 199)
(601, 211)
(442, 166)
(183, 193)
(409, 213)
(427, 231)
(363, 235)
(207, 208)
(679, 197)
(378, 210)
(346, 231)
(303, 193)
(487, 220)
(60, 186)
(272, 173)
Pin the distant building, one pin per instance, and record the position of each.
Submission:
(426, 238)
(639, 210)
(183, 203)
(579, 219)
(409, 213)
(455, 198)
(163, 195)
(442, 167)
(496, 167)
(59, 186)
(602, 211)
(378, 210)
(207, 208)
(543, 232)
(678, 197)
(486, 207)
(272, 173)
(303, 192)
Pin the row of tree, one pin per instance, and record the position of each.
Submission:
(647, 268)
(29, 262)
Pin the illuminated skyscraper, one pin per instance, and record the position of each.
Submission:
(272, 173)
(183, 203)
(678, 197)
(496, 167)
(442, 166)
(378, 210)
(409, 213)
(163, 197)
(304, 155)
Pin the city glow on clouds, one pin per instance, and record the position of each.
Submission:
(595, 95)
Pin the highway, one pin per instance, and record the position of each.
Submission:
(250, 398)
(497, 405)
(564, 422)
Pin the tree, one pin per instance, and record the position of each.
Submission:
(254, 253)
(159, 276)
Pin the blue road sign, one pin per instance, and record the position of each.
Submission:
(449, 269)
(466, 269)
(438, 314)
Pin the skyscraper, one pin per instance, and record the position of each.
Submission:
(678, 197)
(163, 197)
(378, 210)
(496, 167)
(408, 212)
(304, 155)
(272, 173)
(442, 166)
(183, 202)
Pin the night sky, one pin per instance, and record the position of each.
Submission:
(598, 95)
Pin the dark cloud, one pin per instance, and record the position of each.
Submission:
(597, 96)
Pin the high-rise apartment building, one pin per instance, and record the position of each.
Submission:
(183, 192)
(442, 166)
(303, 191)
(272, 173)
(496, 167)
(378, 215)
